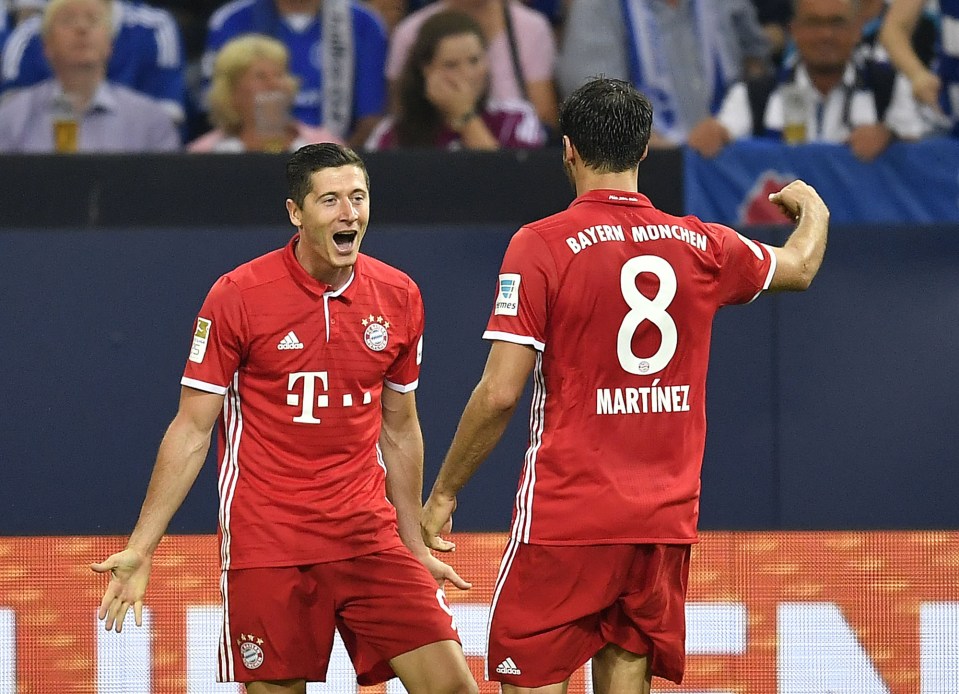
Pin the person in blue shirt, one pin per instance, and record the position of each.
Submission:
(4, 26)
(146, 55)
(337, 50)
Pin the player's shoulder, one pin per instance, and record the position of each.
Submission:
(556, 224)
(256, 273)
(377, 272)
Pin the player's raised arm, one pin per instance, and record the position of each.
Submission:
(179, 459)
(798, 261)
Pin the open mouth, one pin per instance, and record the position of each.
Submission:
(344, 240)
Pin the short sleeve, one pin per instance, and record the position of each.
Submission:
(746, 267)
(522, 292)
(404, 373)
(218, 339)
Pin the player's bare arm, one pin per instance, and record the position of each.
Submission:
(401, 442)
(798, 261)
(180, 457)
(482, 425)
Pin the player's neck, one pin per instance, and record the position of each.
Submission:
(587, 180)
(330, 275)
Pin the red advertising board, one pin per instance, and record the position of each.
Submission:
(768, 613)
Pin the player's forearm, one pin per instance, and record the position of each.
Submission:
(181, 455)
(807, 243)
(403, 455)
(481, 427)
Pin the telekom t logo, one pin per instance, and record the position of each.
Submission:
(310, 397)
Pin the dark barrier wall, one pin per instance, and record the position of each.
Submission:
(831, 409)
(410, 187)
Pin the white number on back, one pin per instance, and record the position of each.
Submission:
(643, 309)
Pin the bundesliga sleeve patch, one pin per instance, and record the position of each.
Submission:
(200, 339)
(507, 301)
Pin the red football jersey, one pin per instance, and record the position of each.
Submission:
(301, 479)
(618, 298)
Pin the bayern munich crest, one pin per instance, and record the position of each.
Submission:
(377, 334)
(250, 651)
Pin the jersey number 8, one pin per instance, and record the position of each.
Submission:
(643, 309)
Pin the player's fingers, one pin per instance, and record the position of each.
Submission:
(439, 544)
(121, 615)
(108, 597)
(111, 616)
(454, 578)
(107, 565)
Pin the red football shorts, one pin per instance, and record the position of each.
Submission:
(554, 607)
(279, 622)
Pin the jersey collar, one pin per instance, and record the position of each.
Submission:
(312, 285)
(613, 197)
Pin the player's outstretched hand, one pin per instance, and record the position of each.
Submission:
(443, 572)
(129, 573)
(437, 518)
(797, 197)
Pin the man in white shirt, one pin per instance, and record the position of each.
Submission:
(826, 94)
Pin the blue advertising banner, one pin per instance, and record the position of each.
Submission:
(909, 183)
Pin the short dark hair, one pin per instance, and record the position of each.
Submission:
(608, 121)
(309, 159)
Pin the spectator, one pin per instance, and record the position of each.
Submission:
(683, 54)
(78, 109)
(443, 95)
(937, 90)
(192, 17)
(5, 23)
(871, 15)
(250, 101)
(520, 45)
(826, 93)
(24, 9)
(146, 54)
(553, 10)
(344, 90)
(390, 11)
(773, 16)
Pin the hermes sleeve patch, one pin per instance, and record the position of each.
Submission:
(507, 301)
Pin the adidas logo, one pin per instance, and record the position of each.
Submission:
(508, 667)
(291, 341)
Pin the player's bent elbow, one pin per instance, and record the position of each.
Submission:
(498, 398)
(794, 277)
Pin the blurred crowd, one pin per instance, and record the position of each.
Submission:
(272, 75)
